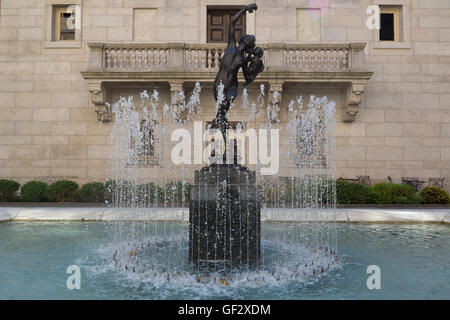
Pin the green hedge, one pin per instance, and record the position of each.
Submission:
(176, 193)
(92, 192)
(62, 191)
(8, 190)
(33, 191)
(291, 195)
(352, 193)
(434, 195)
(147, 194)
(391, 193)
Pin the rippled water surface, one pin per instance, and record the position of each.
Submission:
(414, 261)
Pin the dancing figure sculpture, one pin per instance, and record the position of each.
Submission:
(245, 56)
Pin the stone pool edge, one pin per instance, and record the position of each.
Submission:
(178, 214)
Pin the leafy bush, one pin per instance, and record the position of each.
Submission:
(8, 190)
(61, 191)
(33, 191)
(177, 192)
(120, 191)
(391, 193)
(92, 192)
(352, 193)
(126, 193)
(434, 195)
(297, 194)
(269, 194)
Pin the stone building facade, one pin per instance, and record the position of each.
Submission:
(393, 96)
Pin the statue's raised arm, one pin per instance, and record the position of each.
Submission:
(231, 34)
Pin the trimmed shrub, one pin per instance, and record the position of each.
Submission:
(176, 193)
(269, 194)
(391, 193)
(150, 194)
(434, 195)
(92, 192)
(119, 192)
(8, 190)
(33, 191)
(352, 193)
(61, 191)
(297, 194)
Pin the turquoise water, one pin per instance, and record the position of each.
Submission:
(414, 260)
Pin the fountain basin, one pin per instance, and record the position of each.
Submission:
(413, 258)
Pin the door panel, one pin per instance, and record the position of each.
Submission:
(218, 23)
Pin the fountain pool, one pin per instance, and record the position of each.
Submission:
(414, 260)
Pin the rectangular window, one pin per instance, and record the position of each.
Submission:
(64, 22)
(218, 22)
(146, 147)
(310, 144)
(389, 23)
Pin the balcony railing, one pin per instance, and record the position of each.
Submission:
(339, 64)
(206, 57)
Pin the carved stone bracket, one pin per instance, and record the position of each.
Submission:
(354, 95)
(98, 97)
(275, 94)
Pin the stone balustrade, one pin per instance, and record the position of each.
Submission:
(206, 57)
(340, 64)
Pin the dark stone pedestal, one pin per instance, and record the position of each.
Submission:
(224, 217)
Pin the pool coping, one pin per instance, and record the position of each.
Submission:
(431, 215)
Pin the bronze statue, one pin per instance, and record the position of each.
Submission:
(246, 56)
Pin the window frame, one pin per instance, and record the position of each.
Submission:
(404, 29)
(395, 11)
(56, 36)
(51, 8)
(147, 159)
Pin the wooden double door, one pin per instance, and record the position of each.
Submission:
(219, 22)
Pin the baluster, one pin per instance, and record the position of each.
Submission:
(141, 57)
(137, 53)
(152, 58)
(119, 61)
(196, 59)
(132, 59)
(209, 66)
(309, 58)
(166, 58)
(128, 58)
(303, 59)
(145, 58)
(290, 58)
(157, 59)
(297, 59)
(108, 58)
(188, 58)
(322, 60)
(316, 59)
(162, 53)
(217, 58)
(328, 59)
(333, 59)
(203, 58)
(345, 61)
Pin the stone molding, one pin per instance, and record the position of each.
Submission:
(354, 96)
(175, 63)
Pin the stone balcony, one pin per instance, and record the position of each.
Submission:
(340, 64)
